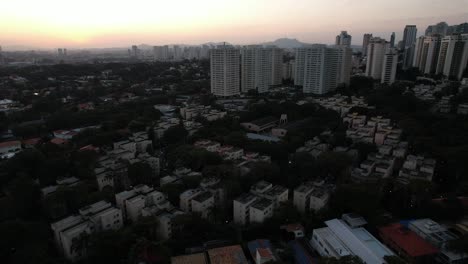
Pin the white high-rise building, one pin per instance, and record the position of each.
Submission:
(343, 39)
(427, 54)
(260, 68)
(177, 52)
(453, 56)
(225, 71)
(319, 69)
(205, 52)
(418, 51)
(161, 53)
(389, 66)
(376, 51)
(365, 42)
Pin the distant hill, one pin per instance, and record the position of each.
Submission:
(285, 43)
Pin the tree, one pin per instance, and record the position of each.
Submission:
(175, 134)
(108, 246)
(459, 245)
(140, 173)
(25, 242)
(25, 195)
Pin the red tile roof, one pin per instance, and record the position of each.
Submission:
(407, 240)
(31, 141)
(8, 144)
(58, 141)
(293, 227)
(227, 255)
(264, 253)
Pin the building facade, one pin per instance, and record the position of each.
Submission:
(225, 71)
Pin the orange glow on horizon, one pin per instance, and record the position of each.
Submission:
(105, 23)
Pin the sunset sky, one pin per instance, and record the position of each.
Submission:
(119, 23)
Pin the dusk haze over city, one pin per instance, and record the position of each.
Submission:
(234, 132)
(106, 23)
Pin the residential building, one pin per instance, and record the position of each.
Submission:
(319, 69)
(241, 208)
(427, 54)
(203, 203)
(389, 66)
(409, 40)
(190, 112)
(416, 168)
(161, 53)
(365, 42)
(100, 216)
(453, 56)
(260, 210)
(312, 196)
(261, 68)
(376, 51)
(261, 251)
(133, 201)
(343, 39)
(225, 71)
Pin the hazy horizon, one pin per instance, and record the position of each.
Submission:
(49, 24)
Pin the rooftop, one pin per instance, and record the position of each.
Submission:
(199, 258)
(227, 255)
(262, 204)
(246, 198)
(359, 241)
(407, 240)
(202, 197)
(264, 121)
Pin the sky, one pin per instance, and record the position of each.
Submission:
(120, 23)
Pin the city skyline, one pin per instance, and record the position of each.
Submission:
(48, 24)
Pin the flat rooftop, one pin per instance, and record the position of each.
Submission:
(262, 204)
(359, 241)
(202, 197)
(246, 198)
(407, 240)
(199, 258)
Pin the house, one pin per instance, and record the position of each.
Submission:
(261, 251)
